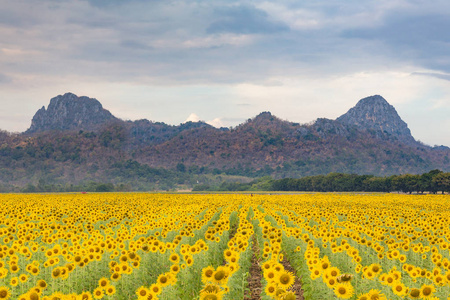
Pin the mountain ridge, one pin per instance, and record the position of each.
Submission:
(375, 113)
(70, 112)
(370, 138)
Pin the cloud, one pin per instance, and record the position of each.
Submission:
(299, 59)
(244, 19)
(435, 75)
(217, 122)
(411, 36)
(4, 79)
(192, 118)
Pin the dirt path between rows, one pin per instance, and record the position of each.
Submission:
(254, 280)
(297, 287)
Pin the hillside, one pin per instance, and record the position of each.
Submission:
(75, 140)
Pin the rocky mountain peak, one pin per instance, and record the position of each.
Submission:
(69, 112)
(375, 114)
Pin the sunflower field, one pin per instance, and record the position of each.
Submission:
(230, 246)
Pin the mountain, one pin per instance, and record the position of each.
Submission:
(68, 112)
(76, 140)
(375, 114)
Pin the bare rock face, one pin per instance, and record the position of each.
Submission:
(70, 112)
(376, 115)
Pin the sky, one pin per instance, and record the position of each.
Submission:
(225, 61)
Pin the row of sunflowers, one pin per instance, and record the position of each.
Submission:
(188, 246)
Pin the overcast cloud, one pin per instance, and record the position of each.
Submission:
(226, 61)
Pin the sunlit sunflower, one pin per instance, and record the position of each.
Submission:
(86, 296)
(143, 292)
(289, 296)
(155, 289)
(98, 293)
(174, 258)
(414, 293)
(207, 274)
(103, 282)
(285, 279)
(427, 291)
(399, 289)
(14, 281)
(4, 293)
(220, 276)
(343, 290)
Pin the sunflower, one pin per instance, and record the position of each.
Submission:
(56, 273)
(211, 296)
(14, 281)
(207, 274)
(399, 289)
(155, 289)
(98, 293)
(414, 293)
(270, 275)
(211, 288)
(331, 282)
(4, 293)
(343, 290)
(189, 261)
(289, 296)
(389, 279)
(14, 268)
(103, 282)
(33, 295)
(271, 288)
(143, 292)
(439, 279)
(163, 280)
(86, 296)
(220, 276)
(175, 269)
(427, 291)
(363, 297)
(332, 272)
(375, 268)
(41, 284)
(285, 279)
(115, 276)
(23, 278)
(324, 264)
(174, 258)
(315, 273)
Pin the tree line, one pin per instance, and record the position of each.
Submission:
(432, 182)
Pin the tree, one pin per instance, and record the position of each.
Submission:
(426, 181)
(442, 182)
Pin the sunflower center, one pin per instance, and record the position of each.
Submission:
(34, 296)
(285, 278)
(415, 293)
(426, 291)
(219, 275)
(342, 290)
